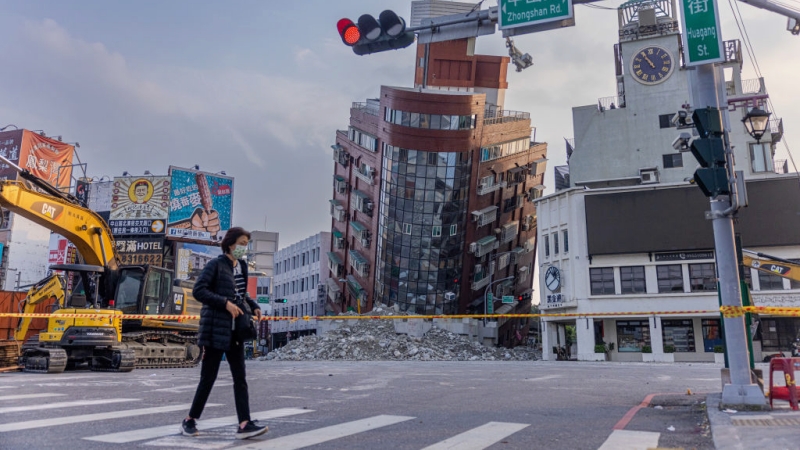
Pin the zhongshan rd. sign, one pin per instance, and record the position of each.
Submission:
(520, 13)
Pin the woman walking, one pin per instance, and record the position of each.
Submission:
(221, 289)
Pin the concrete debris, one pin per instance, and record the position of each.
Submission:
(377, 340)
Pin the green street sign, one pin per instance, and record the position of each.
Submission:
(489, 303)
(520, 13)
(702, 35)
(508, 299)
(263, 299)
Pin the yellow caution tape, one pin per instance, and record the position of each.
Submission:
(727, 311)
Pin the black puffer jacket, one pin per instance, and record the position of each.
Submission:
(213, 289)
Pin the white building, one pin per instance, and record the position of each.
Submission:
(628, 241)
(301, 274)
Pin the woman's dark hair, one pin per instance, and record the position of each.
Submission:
(231, 237)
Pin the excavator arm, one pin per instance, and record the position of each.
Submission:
(771, 264)
(83, 227)
(52, 286)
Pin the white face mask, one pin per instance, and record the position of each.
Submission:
(239, 251)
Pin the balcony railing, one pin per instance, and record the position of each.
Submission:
(749, 87)
(613, 102)
(481, 280)
(781, 166)
(368, 108)
(365, 177)
(776, 130)
(492, 116)
(485, 189)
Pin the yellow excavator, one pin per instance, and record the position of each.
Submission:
(102, 289)
(771, 264)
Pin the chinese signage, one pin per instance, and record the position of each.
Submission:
(555, 301)
(200, 205)
(519, 13)
(141, 250)
(61, 251)
(139, 205)
(684, 256)
(48, 159)
(702, 36)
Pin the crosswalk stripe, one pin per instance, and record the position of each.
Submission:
(480, 437)
(27, 425)
(156, 432)
(630, 440)
(24, 396)
(320, 435)
(11, 409)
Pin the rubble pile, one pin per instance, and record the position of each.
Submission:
(376, 340)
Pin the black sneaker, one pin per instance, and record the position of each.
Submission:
(250, 430)
(189, 427)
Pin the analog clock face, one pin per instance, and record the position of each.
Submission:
(552, 278)
(652, 65)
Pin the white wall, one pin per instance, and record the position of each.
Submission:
(28, 252)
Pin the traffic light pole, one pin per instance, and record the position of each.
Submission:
(708, 92)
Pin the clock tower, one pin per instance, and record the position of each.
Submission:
(648, 53)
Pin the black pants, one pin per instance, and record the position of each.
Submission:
(208, 374)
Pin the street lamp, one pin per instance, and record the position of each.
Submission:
(756, 121)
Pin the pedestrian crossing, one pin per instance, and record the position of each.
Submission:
(217, 432)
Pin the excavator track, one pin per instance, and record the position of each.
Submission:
(112, 360)
(43, 360)
(162, 349)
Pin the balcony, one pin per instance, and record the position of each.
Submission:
(484, 246)
(335, 264)
(613, 102)
(485, 216)
(372, 108)
(480, 280)
(365, 176)
(781, 166)
(484, 189)
(493, 116)
(776, 130)
(340, 155)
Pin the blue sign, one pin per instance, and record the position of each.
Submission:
(201, 205)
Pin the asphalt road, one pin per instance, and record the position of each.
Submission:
(369, 405)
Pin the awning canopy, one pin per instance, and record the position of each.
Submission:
(487, 240)
(355, 287)
(484, 211)
(357, 226)
(337, 147)
(335, 203)
(334, 258)
(337, 234)
(338, 178)
(357, 256)
(507, 308)
(333, 286)
(361, 194)
(540, 160)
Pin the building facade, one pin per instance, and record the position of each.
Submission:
(432, 199)
(300, 281)
(628, 242)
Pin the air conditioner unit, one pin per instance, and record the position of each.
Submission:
(449, 296)
(473, 247)
(523, 269)
(648, 176)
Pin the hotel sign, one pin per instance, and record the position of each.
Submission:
(684, 256)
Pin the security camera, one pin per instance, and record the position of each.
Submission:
(681, 143)
(679, 117)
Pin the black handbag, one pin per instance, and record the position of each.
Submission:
(244, 325)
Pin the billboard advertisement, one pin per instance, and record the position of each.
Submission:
(139, 205)
(48, 159)
(61, 251)
(192, 258)
(201, 205)
(141, 250)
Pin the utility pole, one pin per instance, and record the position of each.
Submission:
(708, 91)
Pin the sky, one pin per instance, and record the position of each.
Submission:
(258, 88)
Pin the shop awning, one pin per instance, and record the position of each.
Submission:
(334, 258)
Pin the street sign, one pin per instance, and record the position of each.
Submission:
(520, 13)
(263, 298)
(701, 32)
(489, 303)
(508, 299)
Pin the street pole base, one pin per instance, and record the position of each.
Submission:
(743, 397)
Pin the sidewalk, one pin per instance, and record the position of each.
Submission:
(778, 429)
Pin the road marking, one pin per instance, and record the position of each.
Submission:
(156, 432)
(630, 440)
(320, 435)
(27, 425)
(480, 437)
(11, 409)
(187, 387)
(23, 396)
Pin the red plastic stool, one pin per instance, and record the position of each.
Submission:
(789, 392)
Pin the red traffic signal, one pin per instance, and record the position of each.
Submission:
(349, 32)
(373, 36)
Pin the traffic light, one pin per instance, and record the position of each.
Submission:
(709, 150)
(281, 300)
(388, 32)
